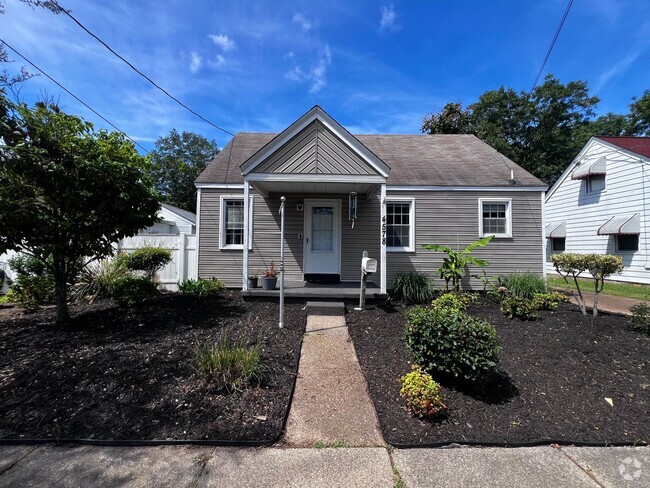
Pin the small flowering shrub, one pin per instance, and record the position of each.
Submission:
(422, 395)
(453, 302)
(528, 308)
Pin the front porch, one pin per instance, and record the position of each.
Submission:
(347, 291)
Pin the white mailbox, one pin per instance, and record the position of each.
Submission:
(369, 265)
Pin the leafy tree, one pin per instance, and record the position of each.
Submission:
(453, 266)
(177, 160)
(452, 119)
(639, 118)
(66, 191)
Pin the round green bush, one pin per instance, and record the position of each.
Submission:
(423, 396)
(131, 291)
(452, 343)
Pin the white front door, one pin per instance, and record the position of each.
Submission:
(322, 240)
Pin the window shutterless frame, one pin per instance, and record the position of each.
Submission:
(400, 223)
(495, 217)
(224, 226)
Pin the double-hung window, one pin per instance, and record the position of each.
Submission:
(231, 229)
(400, 225)
(495, 217)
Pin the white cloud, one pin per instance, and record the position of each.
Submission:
(316, 76)
(195, 62)
(223, 41)
(615, 70)
(303, 21)
(219, 61)
(388, 17)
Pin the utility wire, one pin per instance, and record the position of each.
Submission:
(2, 41)
(557, 33)
(143, 75)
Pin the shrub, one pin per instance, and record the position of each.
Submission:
(452, 302)
(452, 343)
(146, 259)
(34, 284)
(412, 287)
(525, 285)
(641, 317)
(231, 364)
(422, 395)
(131, 291)
(96, 280)
(213, 286)
(528, 308)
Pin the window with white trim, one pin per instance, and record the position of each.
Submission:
(400, 225)
(594, 183)
(231, 228)
(495, 217)
(627, 242)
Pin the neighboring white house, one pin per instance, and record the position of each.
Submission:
(599, 205)
(174, 221)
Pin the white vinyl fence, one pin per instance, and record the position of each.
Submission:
(183, 249)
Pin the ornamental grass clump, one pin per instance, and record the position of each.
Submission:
(422, 394)
(452, 344)
(231, 364)
(201, 286)
(97, 279)
(412, 287)
(525, 284)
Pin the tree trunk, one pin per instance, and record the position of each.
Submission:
(62, 313)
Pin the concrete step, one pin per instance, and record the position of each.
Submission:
(325, 308)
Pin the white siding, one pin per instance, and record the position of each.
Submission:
(624, 194)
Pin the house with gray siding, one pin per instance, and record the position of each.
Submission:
(345, 194)
(599, 205)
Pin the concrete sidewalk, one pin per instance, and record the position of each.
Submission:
(181, 466)
(608, 303)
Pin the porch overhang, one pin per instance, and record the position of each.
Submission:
(266, 183)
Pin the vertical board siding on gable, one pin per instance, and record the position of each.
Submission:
(584, 214)
(451, 218)
(227, 264)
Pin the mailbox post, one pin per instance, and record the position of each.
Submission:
(368, 266)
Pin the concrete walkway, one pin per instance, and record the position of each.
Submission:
(608, 303)
(113, 467)
(331, 405)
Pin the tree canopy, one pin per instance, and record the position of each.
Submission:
(68, 192)
(177, 160)
(541, 130)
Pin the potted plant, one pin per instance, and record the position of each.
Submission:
(252, 281)
(270, 277)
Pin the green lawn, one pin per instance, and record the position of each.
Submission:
(641, 292)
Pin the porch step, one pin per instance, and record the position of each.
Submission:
(325, 308)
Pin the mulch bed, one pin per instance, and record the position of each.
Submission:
(555, 375)
(128, 374)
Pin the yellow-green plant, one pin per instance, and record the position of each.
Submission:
(422, 394)
(453, 302)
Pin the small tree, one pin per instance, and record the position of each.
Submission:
(66, 191)
(453, 266)
(600, 266)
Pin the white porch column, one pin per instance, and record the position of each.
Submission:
(382, 242)
(246, 234)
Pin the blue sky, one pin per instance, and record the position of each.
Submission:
(375, 67)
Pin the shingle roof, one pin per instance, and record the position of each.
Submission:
(183, 213)
(638, 145)
(415, 160)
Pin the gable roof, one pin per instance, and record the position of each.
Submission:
(414, 160)
(184, 214)
(637, 145)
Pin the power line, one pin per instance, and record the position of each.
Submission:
(76, 98)
(145, 76)
(557, 33)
